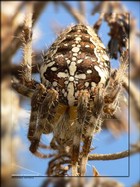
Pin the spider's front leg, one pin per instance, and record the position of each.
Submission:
(115, 85)
(82, 108)
(92, 125)
(113, 90)
(41, 114)
(35, 103)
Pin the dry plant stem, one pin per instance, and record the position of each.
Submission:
(27, 45)
(134, 95)
(75, 13)
(99, 22)
(14, 68)
(107, 7)
(113, 156)
(19, 8)
(108, 156)
(16, 43)
(82, 7)
(95, 172)
(12, 24)
(38, 8)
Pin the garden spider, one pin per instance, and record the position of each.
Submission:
(75, 92)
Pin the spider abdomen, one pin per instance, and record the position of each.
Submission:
(76, 61)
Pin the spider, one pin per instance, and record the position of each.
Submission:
(76, 90)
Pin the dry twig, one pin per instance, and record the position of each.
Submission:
(74, 12)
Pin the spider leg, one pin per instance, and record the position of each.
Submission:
(25, 90)
(114, 87)
(55, 165)
(85, 151)
(112, 93)
(62, 140)
(53, 144)
(35, 103)
(44, 121)
(81, 117)
(105, 101)
(92, 126)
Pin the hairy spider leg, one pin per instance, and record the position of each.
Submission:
(82, 108)
(55, 165)
(27, 89)
(64, 128)
(23, 90)
(44, 118)
(111, 97)
(92, 127)
(35, 103)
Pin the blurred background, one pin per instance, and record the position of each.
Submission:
(19, 166)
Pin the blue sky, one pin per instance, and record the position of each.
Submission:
(30, 165)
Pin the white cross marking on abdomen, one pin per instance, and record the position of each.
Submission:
(70, 95)
(72, 79)
(72, 68)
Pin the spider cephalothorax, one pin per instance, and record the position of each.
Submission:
(74, 94)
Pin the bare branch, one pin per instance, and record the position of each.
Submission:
(108, 7)
(16, 43)
(10, 22)
(27, 45)
(99, 22)
(75, 13)
(108, 156)
(114, 156)
(134, 98)
(82, 7)
(95, 172)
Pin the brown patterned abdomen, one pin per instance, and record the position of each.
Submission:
(76, 61)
